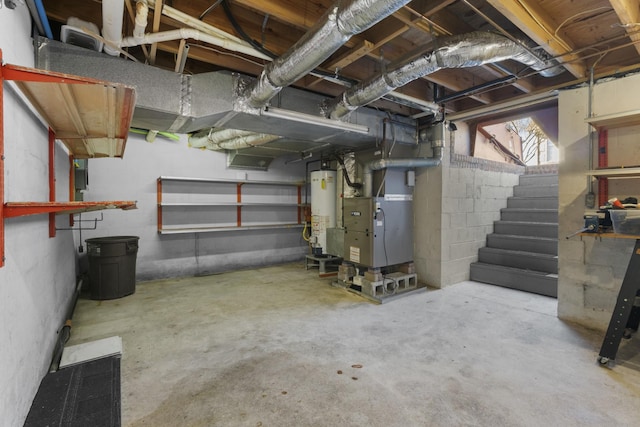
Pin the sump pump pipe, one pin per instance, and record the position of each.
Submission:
(413, 162)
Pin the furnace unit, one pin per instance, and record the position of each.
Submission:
(378, 232)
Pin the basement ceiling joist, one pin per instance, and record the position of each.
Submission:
(600, 34)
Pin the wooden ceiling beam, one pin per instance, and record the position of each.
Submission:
(628, 12)
(535, 23)
(459, 80)
(289, 11)
(347, 58)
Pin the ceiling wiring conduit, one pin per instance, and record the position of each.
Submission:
(459, 51)
(343, 20)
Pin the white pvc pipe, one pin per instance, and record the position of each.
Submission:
(142, 13)
(197, 24)
(112, 15)
(187, 33)
(210, 30)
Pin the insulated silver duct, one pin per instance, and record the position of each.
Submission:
(246, 141)
(460, 51)
(343, 20)
(229, 139)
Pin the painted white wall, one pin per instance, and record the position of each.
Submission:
(591, 270)
(134, 178)
(38, 278)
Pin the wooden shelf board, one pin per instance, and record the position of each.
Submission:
(16, 209)
(91, 117)
(627, 118)
(622, 172)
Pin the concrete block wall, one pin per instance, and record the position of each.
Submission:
(38, 279)
(455, 207)
(590, 270)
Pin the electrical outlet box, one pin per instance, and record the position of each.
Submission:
(411, 178)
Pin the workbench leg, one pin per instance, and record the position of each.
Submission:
(621, 317)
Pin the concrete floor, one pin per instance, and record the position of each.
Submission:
(278, 346)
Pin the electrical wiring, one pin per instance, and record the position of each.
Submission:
(220, 52)
(384, 236)
(209, 9)
(304, 233)
(585, 12)
(236, 26)
(533, 16)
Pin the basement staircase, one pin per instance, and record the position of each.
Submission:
(522, 252)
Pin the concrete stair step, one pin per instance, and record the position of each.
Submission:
(535, 244)
(521, 228)
(529, 215)
(519, 259)
(515, 278)
(539, 179)
(535, 190)
(533, 202)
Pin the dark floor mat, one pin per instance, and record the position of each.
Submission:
(83, 395)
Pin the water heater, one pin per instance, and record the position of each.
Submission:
(323, 206)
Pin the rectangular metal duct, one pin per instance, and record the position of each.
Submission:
(168, 101)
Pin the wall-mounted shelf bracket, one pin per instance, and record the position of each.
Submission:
(90, 117)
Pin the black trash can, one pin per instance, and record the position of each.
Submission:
(112, 266)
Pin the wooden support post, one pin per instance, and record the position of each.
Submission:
(157, 14)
